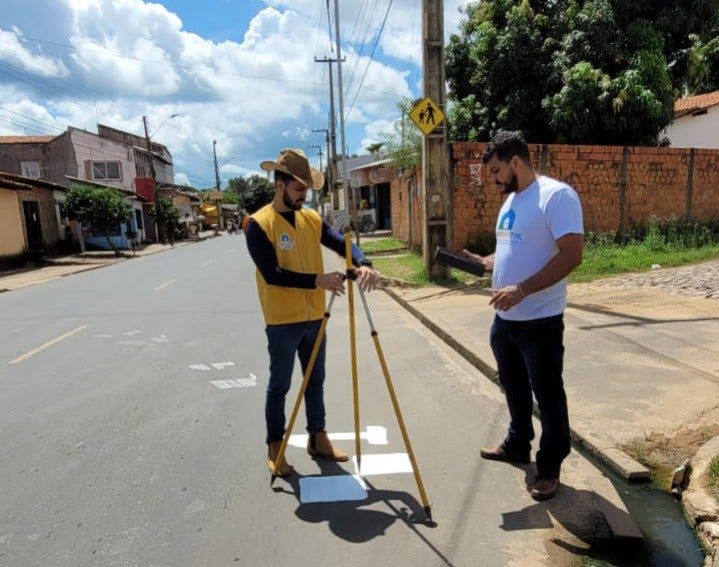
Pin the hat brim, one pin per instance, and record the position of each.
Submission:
(317, 181)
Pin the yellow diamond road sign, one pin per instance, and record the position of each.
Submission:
(427, 115)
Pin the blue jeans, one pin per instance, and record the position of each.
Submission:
(530, 358)
(283, 342)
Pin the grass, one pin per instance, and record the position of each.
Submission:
(609, 260)
(673, 243)
(410, 267)
(381, 245)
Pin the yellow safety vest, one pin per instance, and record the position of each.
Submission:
(297, 249)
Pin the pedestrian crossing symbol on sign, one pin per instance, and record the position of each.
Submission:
(426, 115)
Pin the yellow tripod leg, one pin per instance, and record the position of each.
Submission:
(397, 410)
(303, 387)
(353, 350)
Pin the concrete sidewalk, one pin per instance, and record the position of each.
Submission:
(61, 266)
(637, 360)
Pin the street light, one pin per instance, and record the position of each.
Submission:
(156, 196)
(163, 123)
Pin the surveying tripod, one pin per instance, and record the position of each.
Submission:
(351, 276)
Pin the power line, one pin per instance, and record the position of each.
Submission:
(379, 35)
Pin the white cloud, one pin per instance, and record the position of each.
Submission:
(13, 51)
(134, 58)
(181, 178)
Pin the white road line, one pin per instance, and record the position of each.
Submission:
(163, 286)
(207, 263)
(48, 344)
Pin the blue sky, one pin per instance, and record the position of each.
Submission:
(239, 72)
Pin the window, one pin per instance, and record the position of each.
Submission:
(106, 170)
(138, 219)
(30, 169)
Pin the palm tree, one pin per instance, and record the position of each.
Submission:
(374, 149)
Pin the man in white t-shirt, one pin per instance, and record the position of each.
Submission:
(539, 242)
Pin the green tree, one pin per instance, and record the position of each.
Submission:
(375, 149)
(253, 192)
(580, 71)
(166, 216)
(105, 209)
(403, 144)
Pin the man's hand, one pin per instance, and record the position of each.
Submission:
(486, 261)
(332, 281)
(506, 298)
(367, 278)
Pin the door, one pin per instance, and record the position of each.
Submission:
(32, 225)
(384, 206)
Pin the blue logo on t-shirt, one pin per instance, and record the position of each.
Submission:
(507, 221)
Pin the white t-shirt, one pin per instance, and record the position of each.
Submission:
(528, 225)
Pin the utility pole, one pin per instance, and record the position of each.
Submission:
(217, 185)
(315, 200)
(331, 154)
(349, 202)
(155, 194)
(436, 202)
(329, 177)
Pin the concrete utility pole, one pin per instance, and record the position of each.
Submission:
(315, 200)
(349, 202)
(331, 155)
(437, 194)
(217, 185)
(155, 194)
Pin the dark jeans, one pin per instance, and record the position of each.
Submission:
(283, 342)
(530, 358)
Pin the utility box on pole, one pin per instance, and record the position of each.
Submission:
(437, 194)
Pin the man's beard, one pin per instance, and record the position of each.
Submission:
(289, 203)
(511, 186)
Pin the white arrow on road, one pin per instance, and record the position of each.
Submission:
(374, 435)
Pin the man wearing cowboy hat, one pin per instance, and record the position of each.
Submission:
(284, 241)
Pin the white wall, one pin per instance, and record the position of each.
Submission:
(695, 131)
(92, 147)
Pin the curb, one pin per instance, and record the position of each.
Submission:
(117, 260)
(700, 507)
(621, 463)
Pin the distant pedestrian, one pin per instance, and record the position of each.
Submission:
(539, 242)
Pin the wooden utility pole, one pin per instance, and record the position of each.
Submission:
(436, 191)
(217, 186)
(155, 194)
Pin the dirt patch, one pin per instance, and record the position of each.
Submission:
(663, 452)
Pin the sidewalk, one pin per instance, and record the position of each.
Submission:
(61, 266)
(638, 361)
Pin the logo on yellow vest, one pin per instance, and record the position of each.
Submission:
(286, 242)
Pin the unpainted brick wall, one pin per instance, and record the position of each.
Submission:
(619, 187)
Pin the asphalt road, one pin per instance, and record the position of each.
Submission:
(121, 443)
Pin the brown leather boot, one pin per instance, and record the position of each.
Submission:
(318, 445)
(273, 450)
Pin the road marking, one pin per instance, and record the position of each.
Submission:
(375, 435)
(102, 336)
(389, 463)
(250, 382)
(48, 344)
(207, 263)
(199, 367)
(332, 488)
(221, 365)
(160, 339)
(132, 333)
(163, 286)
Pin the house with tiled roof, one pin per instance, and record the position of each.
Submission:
(696, 122)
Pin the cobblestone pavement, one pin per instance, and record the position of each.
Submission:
(699, 280)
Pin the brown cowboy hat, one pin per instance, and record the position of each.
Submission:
(294, 162)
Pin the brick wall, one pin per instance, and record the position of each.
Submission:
(619, 187)
(405, 193)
